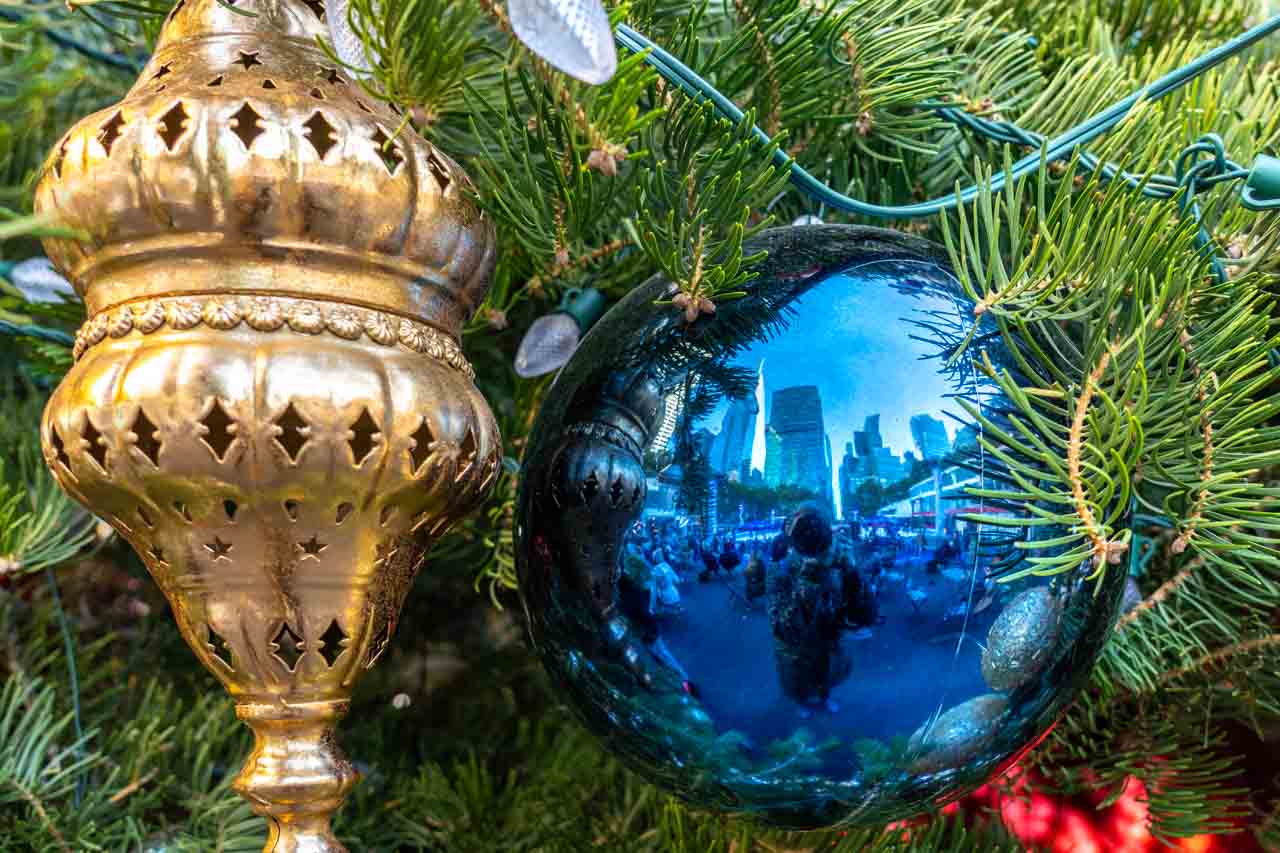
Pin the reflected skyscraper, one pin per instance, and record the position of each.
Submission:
(796, 417)
(967, 438)
(930, 436)
(731, 451)
(772, 457)
(848, 480)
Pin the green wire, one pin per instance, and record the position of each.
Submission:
(1059, 147)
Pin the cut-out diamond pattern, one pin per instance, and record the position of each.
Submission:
(438, 171)
(469, 452)
(230, 508)
(379, 643)
(59, 449)
(590, 488)
(291, 509)
(288, 647)
(172, 124)
(219, 650)
(421, 450)
(60, 158)
(146, 437)
(293, 432)
(364, 434)
(110, 132)
(344, 510)
(333, 643)
(320, 134)
(145, 516)
(388, 151)
(247, 124)
(219, 430)
(316, 6)
(97, 444)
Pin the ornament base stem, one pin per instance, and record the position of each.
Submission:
(297, 776)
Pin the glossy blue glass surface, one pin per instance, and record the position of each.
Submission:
(751, 552)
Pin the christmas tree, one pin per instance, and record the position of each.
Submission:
(113, 738)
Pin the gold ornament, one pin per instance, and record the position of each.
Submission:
(269, 401)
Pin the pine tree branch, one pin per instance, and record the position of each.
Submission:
(1159, 595)
(38, 807)
(1213, 660)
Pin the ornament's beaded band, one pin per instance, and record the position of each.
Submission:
(269, 314)
(605, 432)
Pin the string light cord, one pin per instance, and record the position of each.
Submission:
(1194, 174)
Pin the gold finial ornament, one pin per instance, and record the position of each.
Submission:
(269, 401)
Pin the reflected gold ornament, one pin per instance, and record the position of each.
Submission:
(1021, 639)
(269, 400)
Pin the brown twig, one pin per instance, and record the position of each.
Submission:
(1213, 659)
(576, 263)
(38, 808)
(1188, 530)
(133, 786)
(695, 278)
(1161, 593)
(1103, 549)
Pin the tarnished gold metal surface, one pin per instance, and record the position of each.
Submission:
(269, 400)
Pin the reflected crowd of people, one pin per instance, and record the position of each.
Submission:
(815, 582)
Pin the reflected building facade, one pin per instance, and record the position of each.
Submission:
(803, 451)
(731, 451)
(772, 457)
(848, 480)
(930, 436)
(867, 458)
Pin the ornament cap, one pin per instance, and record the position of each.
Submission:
(243, 161)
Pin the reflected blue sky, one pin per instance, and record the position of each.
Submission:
(846, 337)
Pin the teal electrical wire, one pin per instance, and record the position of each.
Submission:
(673, 70)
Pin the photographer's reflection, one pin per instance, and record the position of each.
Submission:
(805, 613)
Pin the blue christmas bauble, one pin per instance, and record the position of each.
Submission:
(759, 550)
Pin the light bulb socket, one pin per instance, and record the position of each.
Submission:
(1262, 188)
(584, 305)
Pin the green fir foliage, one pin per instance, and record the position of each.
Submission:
(1143, 380)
